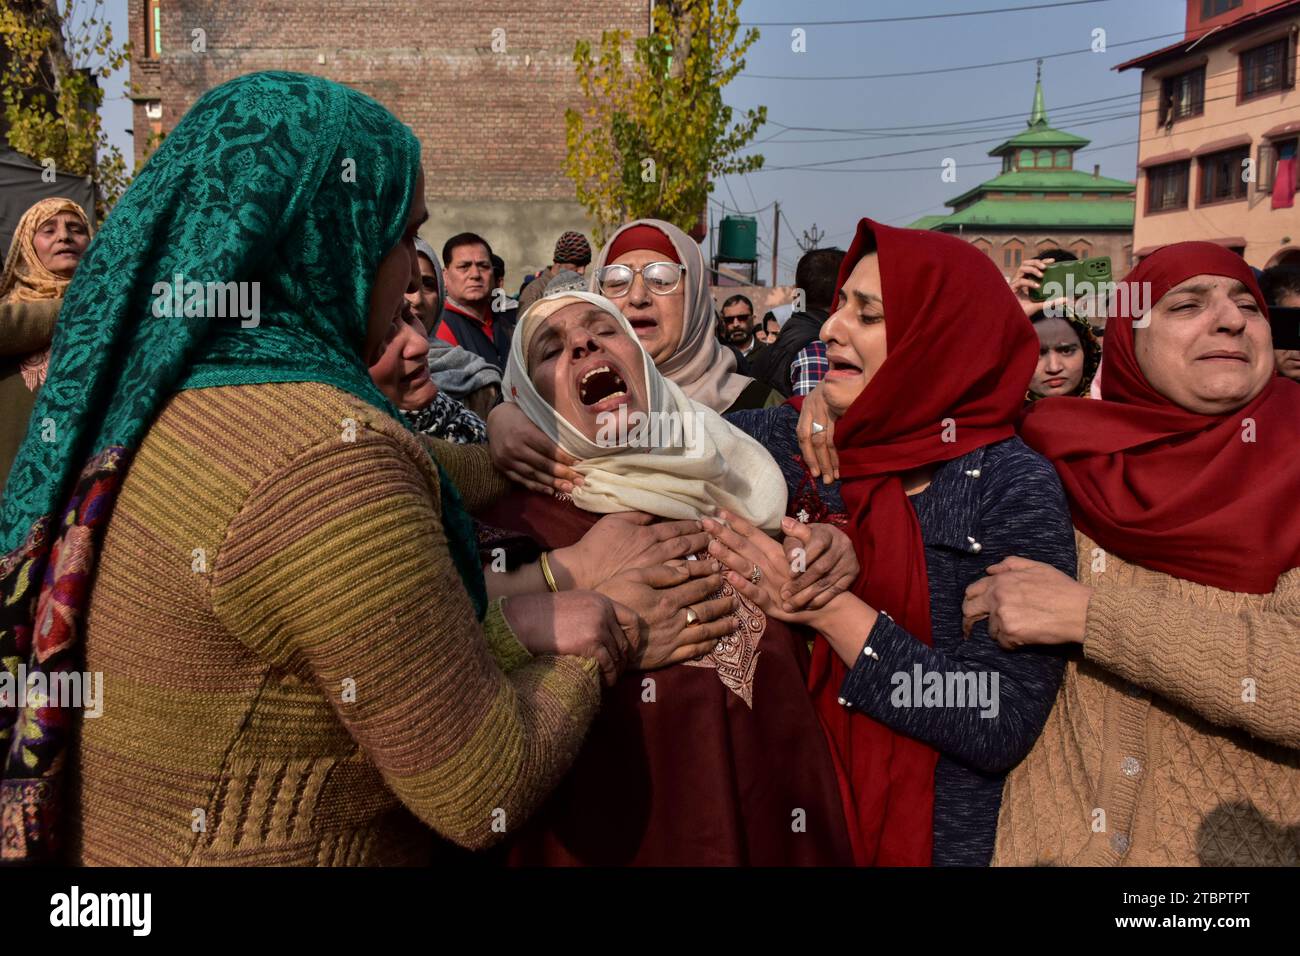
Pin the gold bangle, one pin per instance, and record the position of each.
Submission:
(546, 573)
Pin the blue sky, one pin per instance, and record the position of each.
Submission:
(1084, 95)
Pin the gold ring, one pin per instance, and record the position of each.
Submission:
(691, 617)
(756, 575)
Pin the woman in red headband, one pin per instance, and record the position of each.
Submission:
(1176, 736)
(930, 355)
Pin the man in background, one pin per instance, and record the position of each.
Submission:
(1281, 286)
(737, 326)
(572, 253)
(467, 316)
(815, 276)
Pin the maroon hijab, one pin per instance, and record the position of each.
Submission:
(960, 355)
(1174, 490)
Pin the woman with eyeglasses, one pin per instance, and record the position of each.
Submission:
(655, 274)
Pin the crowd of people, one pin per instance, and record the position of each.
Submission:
(410, 570)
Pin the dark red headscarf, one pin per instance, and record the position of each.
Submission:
(1169, 489)
(642, 236)
(960, 355)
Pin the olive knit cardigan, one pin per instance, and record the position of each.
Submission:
(293, 673)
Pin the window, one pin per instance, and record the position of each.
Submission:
(1212, 8)
(1182, 96)
(1268, 68)
(153, 28)
(1221, 176)
(1270, 154)
(1063, 159)
(1012, 253)
(1026, 159)
(1167, 186)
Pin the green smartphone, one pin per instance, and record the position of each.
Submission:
(1063, 278)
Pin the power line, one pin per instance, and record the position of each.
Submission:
(1083, 113)
(736, 209)
(1019, 114)
(925, 16)
(827, 163)
(1090, 149)
(954, 69)
(1084, 105)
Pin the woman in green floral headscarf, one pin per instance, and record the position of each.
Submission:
(206, 513)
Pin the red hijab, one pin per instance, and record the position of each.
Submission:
(1173, 490)
(960, 355)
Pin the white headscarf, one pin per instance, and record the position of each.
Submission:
(717, 466)
(703, 367)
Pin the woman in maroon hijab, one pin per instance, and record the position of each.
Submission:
(1176, 736)
(930, 355)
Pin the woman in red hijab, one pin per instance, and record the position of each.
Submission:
(1176, 736)
(930, 355)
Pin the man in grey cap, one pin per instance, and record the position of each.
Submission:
(572, 252)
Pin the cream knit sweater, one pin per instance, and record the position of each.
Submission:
(1175, 740)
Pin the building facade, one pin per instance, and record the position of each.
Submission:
(1040, 201)
(1220, 125)
(484, 86)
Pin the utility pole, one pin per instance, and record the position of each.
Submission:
(776, 237)
(812, 238)
(713, 251)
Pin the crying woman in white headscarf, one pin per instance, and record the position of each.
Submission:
(732, 741)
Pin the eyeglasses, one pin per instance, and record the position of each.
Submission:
(745, 317)
(661, 278)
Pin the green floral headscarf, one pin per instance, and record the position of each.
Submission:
(293, 182)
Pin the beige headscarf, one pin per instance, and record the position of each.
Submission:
(716, 466)
(702, 366)
(26, 280)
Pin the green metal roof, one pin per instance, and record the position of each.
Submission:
(1037, 213)
(1040, 137)
(1052, 181)
(925, 222)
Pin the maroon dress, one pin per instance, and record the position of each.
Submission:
(717, 762)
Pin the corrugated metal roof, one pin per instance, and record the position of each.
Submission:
(1044, 213)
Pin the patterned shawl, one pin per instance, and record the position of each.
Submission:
(292, 182)
(25, 279)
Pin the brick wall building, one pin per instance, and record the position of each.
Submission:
(491, 122)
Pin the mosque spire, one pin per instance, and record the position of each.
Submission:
(1038, 116)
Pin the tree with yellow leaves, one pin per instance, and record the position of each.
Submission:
(52, 55)
(654, 131)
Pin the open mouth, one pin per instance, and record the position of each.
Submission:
(641, 326)
(839, 368)
(600, 384)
